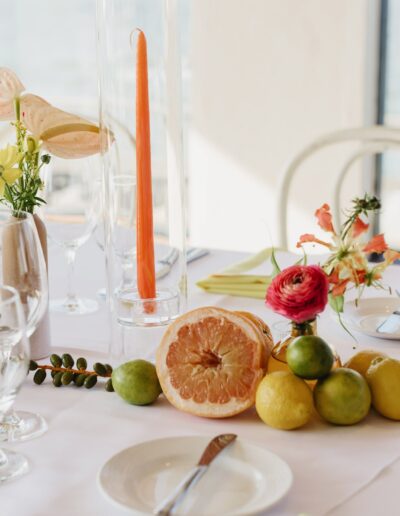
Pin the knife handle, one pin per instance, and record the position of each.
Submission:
(167, 505)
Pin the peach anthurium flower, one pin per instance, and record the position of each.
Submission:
(10, 88)
(9, 157)
(61, 133)
(324, 217)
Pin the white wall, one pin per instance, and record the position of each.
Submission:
(268, 77)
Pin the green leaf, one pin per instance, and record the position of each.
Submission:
(275, 267)
(336, 302)
(303, 259)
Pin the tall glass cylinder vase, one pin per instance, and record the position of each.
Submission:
(140, 118)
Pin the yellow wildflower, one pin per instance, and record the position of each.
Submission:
(9, 157)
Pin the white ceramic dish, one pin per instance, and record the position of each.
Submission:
(245, 479)
(369, 314)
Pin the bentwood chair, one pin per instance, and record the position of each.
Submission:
(371, 140)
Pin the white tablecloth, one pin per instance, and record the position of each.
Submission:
(337, 470)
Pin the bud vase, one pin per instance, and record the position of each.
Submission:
(24, 267)
(277, 360)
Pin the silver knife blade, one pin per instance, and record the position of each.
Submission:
(391, 325)
(213, 449)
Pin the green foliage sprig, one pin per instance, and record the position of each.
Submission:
(22, 195)
(63, 372)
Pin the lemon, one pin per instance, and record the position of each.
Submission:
(309, 357)
(383, 377)
(136, 382)
(343, 397)
(284, 401)
(361, 361)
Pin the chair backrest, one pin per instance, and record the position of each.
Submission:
(373, 140)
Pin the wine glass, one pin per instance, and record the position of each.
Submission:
(14, 363)
(123, 224)
(70, 214)
(22, 266)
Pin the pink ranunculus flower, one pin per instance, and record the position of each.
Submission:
(299, 292)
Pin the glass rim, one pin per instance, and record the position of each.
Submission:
(15, 295)
(17, 220)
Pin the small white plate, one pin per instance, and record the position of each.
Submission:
(369, 314)
(246, 479)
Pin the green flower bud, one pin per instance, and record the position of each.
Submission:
(57, 380)
(67, 360)
(32, 365)
(90, 381)
(81, 363)
(39, 376)
(99, 369)
(55, 360)
(31, 144)
(109, 368)
(80, 380)
(67, 378)
(109, 386)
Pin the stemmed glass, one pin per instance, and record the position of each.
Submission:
(70, 214)
(123, 223)
(14, 363)
(22, 267)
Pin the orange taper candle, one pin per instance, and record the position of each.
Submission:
(146, 277)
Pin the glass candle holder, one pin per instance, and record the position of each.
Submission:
(143, 194)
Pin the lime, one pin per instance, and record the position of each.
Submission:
(361, 361)
(309, 357)
(284, 401)
(136, 382)
(343, 397)
(383, 377)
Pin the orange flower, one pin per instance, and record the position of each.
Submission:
(358, 227)
(308, 237)
(377, 244)
(324, 217)
(339, 289)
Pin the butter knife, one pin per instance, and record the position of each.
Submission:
(213, 449)
(391, 324)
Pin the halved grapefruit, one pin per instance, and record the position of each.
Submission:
(210, 361)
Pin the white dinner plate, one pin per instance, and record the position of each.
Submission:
(369, 314)
(245, 479)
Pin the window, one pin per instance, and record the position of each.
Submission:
(388, 166)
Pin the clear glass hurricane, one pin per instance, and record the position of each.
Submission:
(22, 266)
(14, 363)
(71, 217)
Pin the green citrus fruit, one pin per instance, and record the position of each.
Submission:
(383, 377)
(136, 382)
(343, 397)
(284, 401)
(361, 361)
(309, 357)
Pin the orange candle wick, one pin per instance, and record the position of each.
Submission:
(146, 276)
